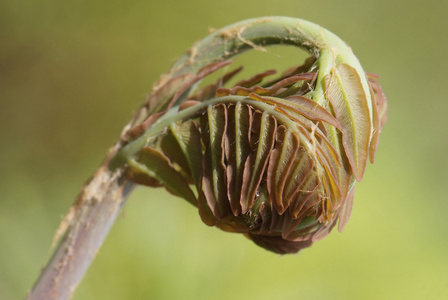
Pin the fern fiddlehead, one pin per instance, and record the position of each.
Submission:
(275, 159)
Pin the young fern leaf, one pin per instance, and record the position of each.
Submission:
(275, 159)
(349, 101)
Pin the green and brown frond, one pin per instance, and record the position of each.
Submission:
(273, 157)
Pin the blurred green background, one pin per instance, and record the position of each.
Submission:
(73, 72)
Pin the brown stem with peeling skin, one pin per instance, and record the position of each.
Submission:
(91, 219)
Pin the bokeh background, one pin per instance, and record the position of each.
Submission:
(73, 72)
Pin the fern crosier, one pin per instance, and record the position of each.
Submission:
(274, 158)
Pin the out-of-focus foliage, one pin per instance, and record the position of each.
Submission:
(72, 73)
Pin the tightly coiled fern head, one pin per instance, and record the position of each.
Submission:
(273, 157)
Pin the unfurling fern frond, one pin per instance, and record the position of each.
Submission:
(274, 158)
